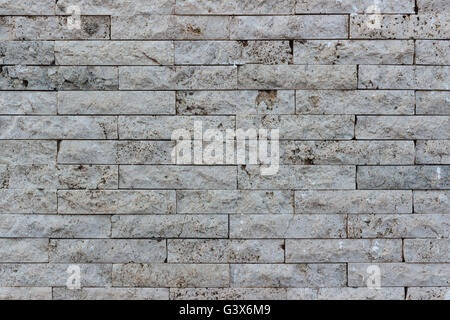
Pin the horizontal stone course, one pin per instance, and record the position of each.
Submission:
(111, 294)
(351, 6)
(345, 293)
(25, 293)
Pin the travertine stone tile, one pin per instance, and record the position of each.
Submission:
(27, 52)
(111, 294)
(232, 7)
(428, 293)
(25, 293)
(23, 152)
(23, 250)
(345, 293)
(228, 294)
(28, 7)
(117, 8)
(433, 151)
(426, 250)
(28, 103)
(432, 202)
(432, 52)
(352, 6)
(433, 102)
(26, 201)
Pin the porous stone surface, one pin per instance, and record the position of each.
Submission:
(103, 103)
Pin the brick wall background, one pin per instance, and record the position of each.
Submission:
(86, 177)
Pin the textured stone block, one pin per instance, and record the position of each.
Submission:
(287, 275)
(145, 152)
(347, 152)
(27, 201)
(357, 201)
(345, 250)
(117, 8)
(235, 102)
(107, 251)
(406, 177)
(23, 250)
(114, 53)
(428, 293)
(53, 28)
(298, 177)
(351, 6)
(398, 226)
(231, 7)
(27, 152)
(58, 127)
(87, 177)
(354, 102)
(353, 52)
(433, 152)
(225, 251)
(177, 177)
(297, 77)
(424, 250)
(432, 201)
(178, 78)
(27, 52)
(111, 294)
(403, 77)
(234, 201)
(326, 127)
(398, 127)
(170, 226)
(433, 102)
(228, 294)
(374, 26)
(28, 7)
(288, 27)
(402, 274)
(288, 226)
(163, 27)
(116, 202)
(25, 293)
(232, 52)
(53, 226)
(171, 275)
(48, 275)
(345, 293)
(28, 103)
(433, 6)
(432, 52)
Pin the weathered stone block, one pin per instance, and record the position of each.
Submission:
(432, 201)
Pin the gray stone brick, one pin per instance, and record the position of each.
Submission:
(433, 152)
(228, 294)
(27, 52)
(28, 7)
(432, 52)
(22, 152)
(27, 201)
(231, 7)
(24, 293)
(117, 8)
(432, 6)
(426, 250)
(428, 293)
(433, 102)
(351, 6)
(28, 103)
(23, 250)
(111, 294)
(345, 293)
(432, 202)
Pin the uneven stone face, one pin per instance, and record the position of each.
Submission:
(228, 294)
(23, 250)
(27, 52)
(25, 293)
(427, 293)
(111, 294)
(26, 201)
(227, 7)
(427, 250)
(28, 7)
(432, 201)
(345, 294)
(435, 6)
(433, 52)
(28, 152)
(433, 152)
(433, 102)
(351, 6)
(125, 8)
(28, 103)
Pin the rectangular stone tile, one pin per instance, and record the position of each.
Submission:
(234, 201)
(23, 250)
(145, 152)
(327, 127)
(22, 152)
(27, 52)
(170, 226)
(235, 102)
(356, 201)
(399, 26)
(54, 28)
(351, 6)
(171, 275)
(163, 127)
(349, 52)
(225, 251)
(27, 201)
(53, 226)
(114, 53)
(354, 102)
(58, 127)
(402, 274)
(165, 27)
(116, 202)
(116, 102)
(12, 293)
(403, 77)
(178, 177)
(232, 52)
(117, 8)
(399, 226)
(28, 7)
(427, 6)
(87, 152)
(228, 294)
(178, 78)
(288, 27)
(298, 177)
(288, 275)
(403, 127)
(48, 275)
(428, 293)
(432, 202)
(288, 226)
(111, 294)
(345, 250)
(427, 250)
(432, 52)
(87, 177)
(107, 251)
(345, 293)
(433, 102)
(28, 103)
(231, 7)
(404, 177)
(433, 151)
(296, 77)
(58, 78)
(347, 152)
